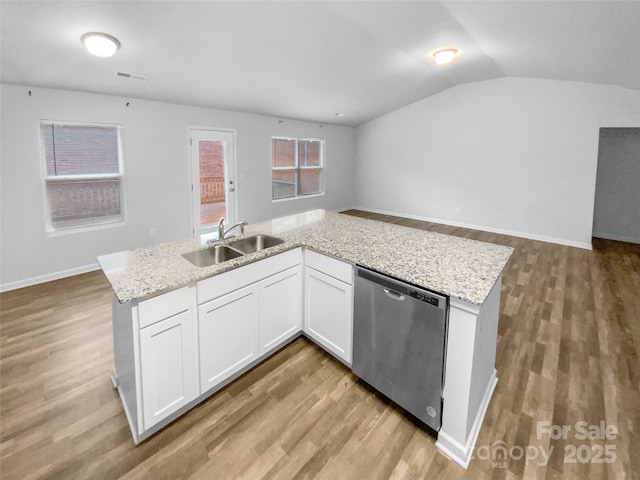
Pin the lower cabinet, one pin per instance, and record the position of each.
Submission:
(178, 347)
(168, 355)
(280, 308)
(246, 313)
(329, 304)
(228, 331)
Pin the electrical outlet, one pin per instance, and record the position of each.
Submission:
(152, 232)
(458, 209)
(435, 206)
(523, 218)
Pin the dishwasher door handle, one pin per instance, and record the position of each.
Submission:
(393, 294)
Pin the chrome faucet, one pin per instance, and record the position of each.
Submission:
(222, 232)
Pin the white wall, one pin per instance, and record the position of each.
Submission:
(157, 176)
(497, 149)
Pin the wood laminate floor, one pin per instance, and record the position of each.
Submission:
(568, 346)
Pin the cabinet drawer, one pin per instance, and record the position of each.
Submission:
(336, 268)
(224, 283)
(164, 306)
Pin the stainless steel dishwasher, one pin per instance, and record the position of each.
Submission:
(399, 338)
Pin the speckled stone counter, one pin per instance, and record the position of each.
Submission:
(458, 267)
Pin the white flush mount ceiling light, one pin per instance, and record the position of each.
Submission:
(100, 44)
(445, 55)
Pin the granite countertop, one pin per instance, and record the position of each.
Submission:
(458, 267)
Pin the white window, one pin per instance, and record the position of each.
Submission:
(83, 174)
(297, 167)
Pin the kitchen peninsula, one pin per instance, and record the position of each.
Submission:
(182, 332)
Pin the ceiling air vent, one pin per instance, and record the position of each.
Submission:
(132, 76)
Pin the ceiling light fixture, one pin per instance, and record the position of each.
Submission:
(339, 114)
(446, 55)
(100, 44)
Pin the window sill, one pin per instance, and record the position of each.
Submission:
(88, 228)
(299, 197)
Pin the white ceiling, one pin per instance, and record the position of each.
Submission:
(307, 59)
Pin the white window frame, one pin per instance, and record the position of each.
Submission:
(297, 168)
(48, 179)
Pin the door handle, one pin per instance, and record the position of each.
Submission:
(232, 189)
(393, 294)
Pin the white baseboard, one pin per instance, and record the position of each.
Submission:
(27, 282)
(617, 238)
(338, 210)
(512, 233)
(459, 453)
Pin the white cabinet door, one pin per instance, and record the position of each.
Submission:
(168, 366)
(329, 312)
(280, 307)
(228, 331)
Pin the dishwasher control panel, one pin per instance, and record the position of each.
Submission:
(424, 297)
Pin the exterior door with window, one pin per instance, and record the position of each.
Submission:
(213, 183)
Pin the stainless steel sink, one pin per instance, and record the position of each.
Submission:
(255, 244)
(221, 253)
(212, 255)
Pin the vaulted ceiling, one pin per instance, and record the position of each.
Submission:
(309, 60)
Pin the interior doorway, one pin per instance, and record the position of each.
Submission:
(213, 182)
(616, 215)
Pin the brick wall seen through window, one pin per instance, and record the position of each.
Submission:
(297, 167)
(83, 174)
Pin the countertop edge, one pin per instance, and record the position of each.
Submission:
(154, 258)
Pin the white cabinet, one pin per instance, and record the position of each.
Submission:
(280, 308)
(329, 303)
(168, 354)
(178, 348)
(246, 313)
(228, 331)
